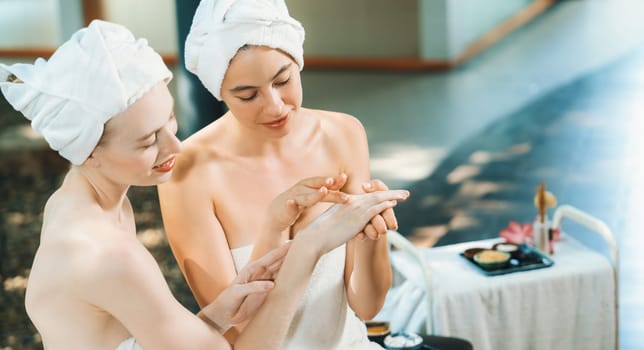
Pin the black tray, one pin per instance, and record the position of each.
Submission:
(528, 258)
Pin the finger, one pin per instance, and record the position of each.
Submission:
(259, 266)
(248, 308)
(335, 197)
(276, 254)
(361, 236)
(371, 232)
(275, 267)
(379, 207)
(315, 182)
(380, 196)
(378, 223)
(374, 185)
(338, 181)
(390, 219)
(241, 291)
(309, 197)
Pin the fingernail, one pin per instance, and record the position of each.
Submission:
(329, 181)
(322, 189)
(344, 196)
(367, 185)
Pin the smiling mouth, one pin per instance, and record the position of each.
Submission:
(277, 123)
(165, 166)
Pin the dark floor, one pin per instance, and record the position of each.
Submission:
(585, 140)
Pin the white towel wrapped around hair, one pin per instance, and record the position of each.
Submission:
(221, 27)
(99, 72)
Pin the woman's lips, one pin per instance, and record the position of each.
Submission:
(165, 166)
(277, 123)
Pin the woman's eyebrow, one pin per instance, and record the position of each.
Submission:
(247, 87)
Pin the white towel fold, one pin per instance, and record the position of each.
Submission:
(92, 77)
(221, 27)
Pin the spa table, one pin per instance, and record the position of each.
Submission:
(570, 305)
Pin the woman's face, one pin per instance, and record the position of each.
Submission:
(262, 89)
(139, 145)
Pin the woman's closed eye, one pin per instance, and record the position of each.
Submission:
(171, 125)
(283, 82)
(248, 98)
(277, 84)
(150, 142)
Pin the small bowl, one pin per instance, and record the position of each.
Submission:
(377, 331)
(469, 253)
(491, 259)
(404, 341)
(513, 249)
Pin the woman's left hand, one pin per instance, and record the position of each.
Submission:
(380, 223)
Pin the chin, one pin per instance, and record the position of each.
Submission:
(153, 179)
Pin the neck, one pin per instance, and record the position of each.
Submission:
(109, 195)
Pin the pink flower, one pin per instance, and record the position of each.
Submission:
(517, 233)
(556, 234)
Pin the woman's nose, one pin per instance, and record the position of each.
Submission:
(171, 143)
(274, 103)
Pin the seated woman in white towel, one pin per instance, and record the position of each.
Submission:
(249, 53)
(101, 101)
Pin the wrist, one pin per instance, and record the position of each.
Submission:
(306, 245)
(210, 318)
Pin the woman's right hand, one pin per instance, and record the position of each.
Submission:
(341, 222)
(241, 300)
(286, 208)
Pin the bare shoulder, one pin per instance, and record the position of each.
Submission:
(340, 129)
(201, 153)
(337, 121)
(83, 253)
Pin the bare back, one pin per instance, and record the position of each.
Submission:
(73, 241)
(89, 267)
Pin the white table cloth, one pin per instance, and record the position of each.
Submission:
(570, 305)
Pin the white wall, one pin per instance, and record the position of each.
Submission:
(29, 23)
(434, 29)
(38, 23)
(469, 19)
(152, 19)
(377, 28)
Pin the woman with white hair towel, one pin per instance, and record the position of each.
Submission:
(102, 102)
(249, 53)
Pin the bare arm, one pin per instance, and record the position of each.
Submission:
(128, 284)
(196, 237)
(289, 205)
(199, 243)
(334, 227)
(368, 273)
